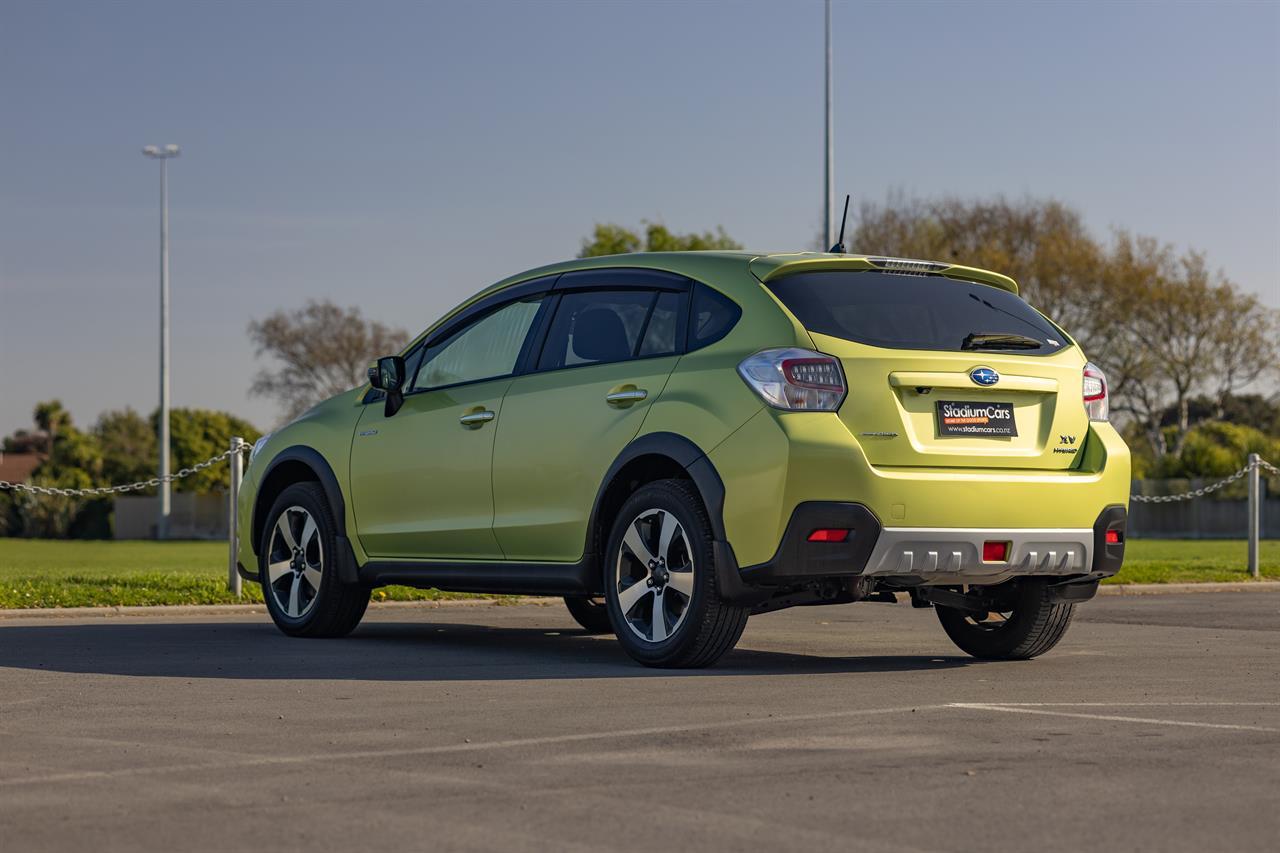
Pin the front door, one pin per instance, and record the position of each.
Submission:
(606, 359)
(421, 479)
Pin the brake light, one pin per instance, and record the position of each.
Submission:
(795, 379)
(1096, 399)
(1113, 537)
(829, 534)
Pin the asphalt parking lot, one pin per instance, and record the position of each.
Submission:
(1154, 726)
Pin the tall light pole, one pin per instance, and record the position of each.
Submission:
(163, 154)
(828, 169)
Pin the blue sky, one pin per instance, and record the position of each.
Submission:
(403, 155)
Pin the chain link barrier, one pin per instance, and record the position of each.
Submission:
(128, 487)
(1204, 490)
(245, 448)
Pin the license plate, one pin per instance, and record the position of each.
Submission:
(975, 419)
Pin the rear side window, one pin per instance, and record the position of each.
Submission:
(595, 327)
(916, 312)
(660, 333)
(713, 316)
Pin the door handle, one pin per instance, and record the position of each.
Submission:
(475, 419)
(625, 397)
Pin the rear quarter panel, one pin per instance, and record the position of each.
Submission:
(705, 400)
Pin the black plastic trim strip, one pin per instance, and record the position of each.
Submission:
(484, 577)
(622, 278)
(798, 559)
(1107, 559)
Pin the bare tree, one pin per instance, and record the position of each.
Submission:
(1044, 245)
(321, 349)
(1188, 331)
(1163, 326)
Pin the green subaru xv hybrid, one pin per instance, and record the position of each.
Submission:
(675, 441)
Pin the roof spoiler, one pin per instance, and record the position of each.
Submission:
(769, 267)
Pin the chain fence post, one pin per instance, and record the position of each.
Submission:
(237, 460)
(1255, 511)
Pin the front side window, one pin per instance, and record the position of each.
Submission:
(486, 349)
(596, 327)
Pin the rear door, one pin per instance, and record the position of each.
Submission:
(944, 372)
(614, 339)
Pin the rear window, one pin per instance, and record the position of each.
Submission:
(931, 312)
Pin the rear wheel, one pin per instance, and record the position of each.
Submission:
(660, 580)
(297, 566)
(591, 613)
(1031, 626)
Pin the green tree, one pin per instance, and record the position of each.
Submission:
(611, 239)
(128, 443)
(199, 434)
(1216, 449)
(73, 461)
(121, 448)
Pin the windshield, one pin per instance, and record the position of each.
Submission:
(932, 312)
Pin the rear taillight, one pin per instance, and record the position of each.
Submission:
(795, 379)
(1096, 398)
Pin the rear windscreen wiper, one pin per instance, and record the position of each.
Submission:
(999, 340)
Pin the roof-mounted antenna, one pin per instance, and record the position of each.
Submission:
(838, 248)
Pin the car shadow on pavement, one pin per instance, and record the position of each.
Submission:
(383, 651)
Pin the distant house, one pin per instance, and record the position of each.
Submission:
(17, 467)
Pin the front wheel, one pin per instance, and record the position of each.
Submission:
(1031, 626)
(660, 580)
(298, 568)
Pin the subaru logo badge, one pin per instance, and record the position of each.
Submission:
(984, 376)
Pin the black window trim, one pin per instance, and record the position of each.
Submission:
(550, 288)
(539, 287)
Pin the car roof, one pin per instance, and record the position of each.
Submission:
(764, 266)
(730, 270)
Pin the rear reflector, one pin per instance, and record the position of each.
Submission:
(829, 534)
(1113, 537)
(995, 552)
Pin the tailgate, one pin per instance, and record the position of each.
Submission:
(917, 408)
(943, 371)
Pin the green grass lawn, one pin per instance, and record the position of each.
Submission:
(1195, 560)
(44, 573)
(54, 573)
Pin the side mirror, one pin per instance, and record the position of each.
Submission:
(388, 377)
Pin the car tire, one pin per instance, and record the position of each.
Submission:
(297, 562)
(1031, 628)
(591, 613)
(660, 580)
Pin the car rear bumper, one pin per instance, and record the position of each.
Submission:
(913, 556)
(776, 464)
(947, 553)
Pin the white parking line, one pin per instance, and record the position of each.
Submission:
(269, 760)
(1125, 704)
(1023, 709)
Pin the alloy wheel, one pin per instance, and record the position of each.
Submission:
(653, 575)
(295, 562)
